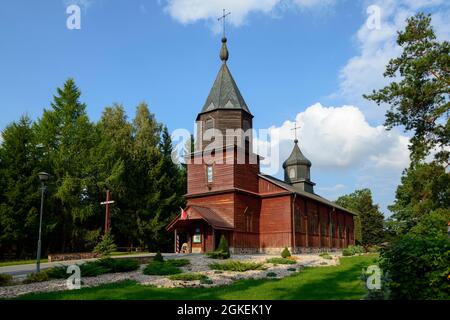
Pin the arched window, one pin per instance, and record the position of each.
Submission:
(209, 174)
(209, 123)
(292, 173)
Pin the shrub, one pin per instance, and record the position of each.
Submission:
(235, 265)
(218, 255)
(271, 274)
(291, 269)
(206, 281)
(178, 262)
(106, 245)
(161, 269)
(96, 268)
(158, 257)
(373, 249)
(188, 276)
(119, 265)
(59, 272)
(325, 255)
(285, 253)
(222, 252)
(352, 250)
(5, 280)
(358, 249)
(418, 267)
(36, 277)
(223, 245)
(92, 269)
(280, 261)
(347, 252)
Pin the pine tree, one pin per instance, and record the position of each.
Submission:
(66, 136)
(418, 100)
(372, 220)
(19, 195)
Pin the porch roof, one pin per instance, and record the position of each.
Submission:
(195, 212)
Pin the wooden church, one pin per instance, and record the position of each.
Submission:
(228, 195)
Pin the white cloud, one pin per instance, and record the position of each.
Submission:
(346, 151)
(189, 11)
(340, 137)
(84, 4)
(364, 72)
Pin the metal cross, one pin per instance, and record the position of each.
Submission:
(295, 129)
(223, 18)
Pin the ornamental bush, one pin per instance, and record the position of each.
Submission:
(280, 261)
(119, 265)
(285, 253)
(188, 277)
(5, 280)
(325, 255)
(36, 277)
(235, 265)
(161, 269)
(178, 262)
(418, 267)
(106, 245)
(158, 257)
(222, 252)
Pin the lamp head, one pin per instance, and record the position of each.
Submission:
(43, 176)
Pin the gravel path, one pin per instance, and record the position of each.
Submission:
(199, 264)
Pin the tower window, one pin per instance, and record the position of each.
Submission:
(209, 174)
(292, 173)
(209, 124)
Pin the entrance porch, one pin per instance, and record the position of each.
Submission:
(199, 231)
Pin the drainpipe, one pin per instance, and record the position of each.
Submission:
(293, 223)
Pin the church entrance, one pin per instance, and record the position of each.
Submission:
(182, 241)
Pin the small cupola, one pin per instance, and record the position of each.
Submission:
(297, 170)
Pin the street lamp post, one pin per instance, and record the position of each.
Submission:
(43, 177)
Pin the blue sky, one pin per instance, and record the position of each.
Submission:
(304, 60)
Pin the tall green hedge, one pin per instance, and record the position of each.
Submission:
(418, 267)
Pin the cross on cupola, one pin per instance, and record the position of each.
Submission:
(224, 50)
(295, 131)
(223, 17)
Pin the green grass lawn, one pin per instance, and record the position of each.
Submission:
(334, 282)
(17, 262)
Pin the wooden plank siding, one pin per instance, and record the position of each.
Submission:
(275, 222)
(261, 211)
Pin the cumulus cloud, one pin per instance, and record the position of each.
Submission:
(347, 153)
(189, 11)
(341, 137)
(364, 72)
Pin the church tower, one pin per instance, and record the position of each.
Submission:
(225, 109)
(297, 170)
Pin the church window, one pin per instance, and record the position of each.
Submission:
(248, 219)
(323, 230)
(209, 123)
(209, 174)
(292, 173)
(297, 219)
